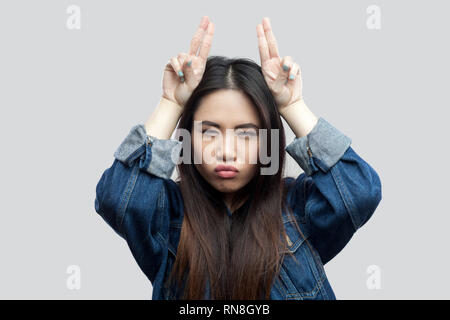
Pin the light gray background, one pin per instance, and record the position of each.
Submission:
(69, 97)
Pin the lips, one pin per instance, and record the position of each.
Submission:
(226, 171)
(222, 167)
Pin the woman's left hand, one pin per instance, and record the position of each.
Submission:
(282, 75)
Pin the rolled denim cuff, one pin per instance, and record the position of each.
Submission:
(326, 143)
(157, 156)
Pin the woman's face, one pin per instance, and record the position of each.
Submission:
(225, 132)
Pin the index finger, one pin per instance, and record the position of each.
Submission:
(207, 41)
(262, 44)
(197, 38)
(272, 42)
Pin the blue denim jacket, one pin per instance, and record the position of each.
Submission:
(336, 195)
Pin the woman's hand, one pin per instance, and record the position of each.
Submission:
(282, 75)
(183, 73)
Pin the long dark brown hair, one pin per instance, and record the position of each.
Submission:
(241, 264)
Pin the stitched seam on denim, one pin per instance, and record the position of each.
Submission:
(287, 219)
(280, 286)
(169, 245)
(126, 197)
(324, 293)
(301, 219)
(313, 266)
(162, 241)
(176, 226)
(322, 274)
(305, 202)
(171, 251)
(132, 154)
(309, 169)
(302, 235)
(307, 211)
(293, 248)
(317, 258)
(309, 294)
(319, 279)
(294, 296)
(160, 204)
(318, 262)
(287, 280)
(345, 198)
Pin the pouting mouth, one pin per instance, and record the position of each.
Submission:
(225, 168)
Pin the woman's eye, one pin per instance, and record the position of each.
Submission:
(250, 133)
(213, 133)
(210, 132)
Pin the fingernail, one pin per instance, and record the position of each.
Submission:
(285, 67)
(180, 73)
(182, 79)
(189, 63)
(291, 77)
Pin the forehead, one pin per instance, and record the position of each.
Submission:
(228, 108)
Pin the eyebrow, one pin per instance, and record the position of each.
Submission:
(243, 125)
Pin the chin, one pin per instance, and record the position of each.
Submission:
(226, 186)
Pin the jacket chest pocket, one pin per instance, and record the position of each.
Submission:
(302, 274)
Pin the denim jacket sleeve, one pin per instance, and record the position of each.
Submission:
(338, 191)
(133, 195)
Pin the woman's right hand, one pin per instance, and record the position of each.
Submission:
(184, 72)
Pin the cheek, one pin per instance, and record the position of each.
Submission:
(203, 151)
(197, 144)
(203, 156)
(248, 158)
(196, 148)
(248, 152)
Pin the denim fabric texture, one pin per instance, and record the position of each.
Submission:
(335, 196)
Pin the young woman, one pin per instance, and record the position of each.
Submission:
(231, 226)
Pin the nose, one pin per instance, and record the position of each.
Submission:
(226, 148)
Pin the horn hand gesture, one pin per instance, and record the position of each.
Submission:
(183, 72)
(282, 75)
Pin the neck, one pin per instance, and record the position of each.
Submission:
(228, 199)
